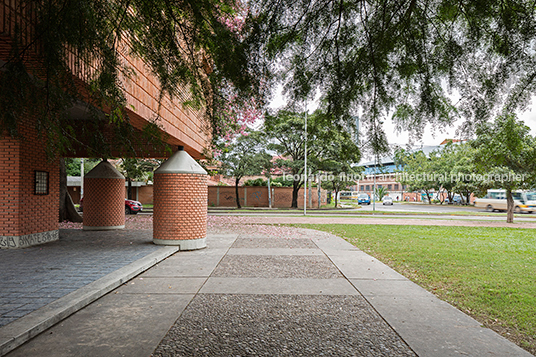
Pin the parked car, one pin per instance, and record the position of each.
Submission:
(131, 206)
(387, 200)
(455, 199)
(363, 198)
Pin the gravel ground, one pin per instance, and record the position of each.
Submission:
(263, 242)
(281, 325)
(277, 266)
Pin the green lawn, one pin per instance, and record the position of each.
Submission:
(489, 273)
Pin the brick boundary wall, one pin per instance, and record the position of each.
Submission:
(180, 210)
(257, 196)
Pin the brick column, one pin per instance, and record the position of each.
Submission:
(27, 217)
(104, 198)
(180, 203)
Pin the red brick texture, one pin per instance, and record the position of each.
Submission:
(257, 196)
(22, 212)
(180, 206)
(104, 202)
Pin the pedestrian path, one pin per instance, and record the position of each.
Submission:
(252, 293)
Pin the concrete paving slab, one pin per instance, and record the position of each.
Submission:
(330, 242)
(277, 266)
(430, 326)
(186, 265)
(117, 325)
(396, 288)
(278, 286)
(359, 265)
(281, 325)
(144, 284)
(274, 251)
(273, 242)
(219, 240)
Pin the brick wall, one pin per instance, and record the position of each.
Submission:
(22, 211)
(257, 196)
(180, 206)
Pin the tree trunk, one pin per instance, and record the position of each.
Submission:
(295, 189)
(68, 211)
(72, 213)
(509, 207)
(336, 195)
(237, 181)
(129, 191)
(63, 191)
(319, 188)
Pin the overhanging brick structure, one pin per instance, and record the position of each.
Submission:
(30, 216)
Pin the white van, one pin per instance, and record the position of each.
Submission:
(496, 200)
(348, 195)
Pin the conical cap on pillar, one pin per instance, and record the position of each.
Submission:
(104, 170)
(180, 163)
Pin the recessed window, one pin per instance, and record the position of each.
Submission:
(41, 183)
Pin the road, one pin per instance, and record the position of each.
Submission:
(405, 207)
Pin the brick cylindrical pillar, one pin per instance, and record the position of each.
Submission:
(104, 198)
(180, 203)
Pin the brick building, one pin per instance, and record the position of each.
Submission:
(29, 180)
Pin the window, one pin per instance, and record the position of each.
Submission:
(379, 186)
(396, 187)
(389, 187)
(361, 188)
(368, 188)
(41, 183)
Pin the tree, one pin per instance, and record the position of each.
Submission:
(341, 153)
(506, 157)
(244, 157)
(195, 49)
(137, 169)
(326, 141)
(403, 57)
(457, 171)
(419, 171)
(381, 192)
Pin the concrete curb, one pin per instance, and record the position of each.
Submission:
(29, 326)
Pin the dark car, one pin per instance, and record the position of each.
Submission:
(131, 206)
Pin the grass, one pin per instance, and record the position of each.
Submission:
(488, 273)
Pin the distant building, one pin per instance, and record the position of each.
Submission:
(385, 170)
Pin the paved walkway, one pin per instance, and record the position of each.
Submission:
(406, 220)
(273, 292)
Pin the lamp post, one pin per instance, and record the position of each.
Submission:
(305, 166)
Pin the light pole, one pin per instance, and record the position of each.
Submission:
(81, 178)
(306, 176)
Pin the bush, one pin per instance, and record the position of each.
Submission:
(256, 182)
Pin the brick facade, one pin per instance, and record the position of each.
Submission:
(27, 218)
(180, 207)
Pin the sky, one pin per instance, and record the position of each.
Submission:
(431, 137)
